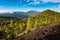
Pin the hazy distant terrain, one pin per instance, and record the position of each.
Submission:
(19, 15)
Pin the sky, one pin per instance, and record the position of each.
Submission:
(26, 5)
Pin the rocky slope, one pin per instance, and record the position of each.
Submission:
(44, 32)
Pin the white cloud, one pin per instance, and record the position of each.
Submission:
(59, 7)
(55, 1)
(37, 2)
(32, 3)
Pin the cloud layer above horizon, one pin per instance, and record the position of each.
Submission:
(26, 5)
(55, 1)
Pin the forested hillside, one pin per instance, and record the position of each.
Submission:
(14, 29)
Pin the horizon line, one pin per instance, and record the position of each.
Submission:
(25, 11)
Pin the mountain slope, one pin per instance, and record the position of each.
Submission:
(29, 24)
(44, 18)
(48, 32)
(47, 17)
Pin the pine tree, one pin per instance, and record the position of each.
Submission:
(36, 22)
(11, 23)
(21, 25)
(29, 25)
(8, 32)
(0, 28)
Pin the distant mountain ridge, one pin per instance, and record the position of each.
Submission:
(32, 12)
(20, 15)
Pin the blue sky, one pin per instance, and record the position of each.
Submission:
(26, 5)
